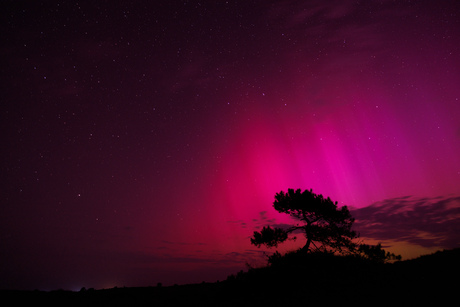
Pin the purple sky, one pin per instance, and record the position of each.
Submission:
(144, 142)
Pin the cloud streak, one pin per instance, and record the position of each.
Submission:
(428, 222)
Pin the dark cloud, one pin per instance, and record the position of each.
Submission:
(428, 222)
(241, 223)
(206, 261)
(264, 221)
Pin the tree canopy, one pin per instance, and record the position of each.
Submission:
(324, 225)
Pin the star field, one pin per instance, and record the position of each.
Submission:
(143, 142)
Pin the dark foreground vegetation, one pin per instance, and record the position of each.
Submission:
(298, 279)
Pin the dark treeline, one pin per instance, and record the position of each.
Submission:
(296, 279)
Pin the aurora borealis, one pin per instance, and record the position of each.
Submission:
(143, 142)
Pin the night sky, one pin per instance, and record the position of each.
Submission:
(144, 142)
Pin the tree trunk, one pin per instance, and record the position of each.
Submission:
(308, 236)
(306, 247)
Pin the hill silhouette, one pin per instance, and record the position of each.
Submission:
(296, 279)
